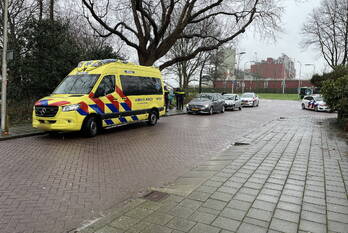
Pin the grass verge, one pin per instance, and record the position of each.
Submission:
(278, 96)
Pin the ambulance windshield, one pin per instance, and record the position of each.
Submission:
(77, 84)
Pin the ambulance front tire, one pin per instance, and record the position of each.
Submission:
(90, 127)
(153, 118)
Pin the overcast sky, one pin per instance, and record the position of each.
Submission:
(288, 42)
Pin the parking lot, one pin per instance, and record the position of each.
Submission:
(53, 184)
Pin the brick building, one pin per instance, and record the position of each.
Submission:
(275, 68)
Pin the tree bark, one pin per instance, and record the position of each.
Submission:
(52, 10)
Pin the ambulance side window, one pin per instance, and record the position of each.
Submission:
(106, 86)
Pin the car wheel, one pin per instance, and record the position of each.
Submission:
(153, 118)
(240, 108)
(211, 111)
(303, 106)
(223, 109)
(90, 128)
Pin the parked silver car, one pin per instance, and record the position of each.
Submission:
(250, 99)
(232, 101)
(206, 103)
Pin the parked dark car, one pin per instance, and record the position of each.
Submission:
(206, 103)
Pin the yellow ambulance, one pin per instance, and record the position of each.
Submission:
(101, 94)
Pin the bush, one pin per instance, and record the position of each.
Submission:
(335, 92)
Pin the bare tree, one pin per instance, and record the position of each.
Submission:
(152, 27)
(327, 29)
(187, 70)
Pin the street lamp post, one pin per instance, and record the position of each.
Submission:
(243, 84)
(240, 54)
(299, 77)
(4, 126)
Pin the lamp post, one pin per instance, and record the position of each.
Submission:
(4, 126)
(240, 54)
(243, 84)
(299, 77)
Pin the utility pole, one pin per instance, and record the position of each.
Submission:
(4, 126)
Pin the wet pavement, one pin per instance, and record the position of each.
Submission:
(55, 184)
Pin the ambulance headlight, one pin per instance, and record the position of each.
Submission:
(72, 107)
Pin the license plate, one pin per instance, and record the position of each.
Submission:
(195, 109)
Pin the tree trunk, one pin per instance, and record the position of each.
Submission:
(40, 9)
(51, 10)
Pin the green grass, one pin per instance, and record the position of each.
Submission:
(277, 96)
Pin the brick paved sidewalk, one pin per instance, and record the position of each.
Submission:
(21, 130)
(25, 130)
(293, 177)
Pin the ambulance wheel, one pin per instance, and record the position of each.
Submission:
(223, 109)
(152, 118)
(211, 111)
(316, 108)
(90, 127)
(303, 106)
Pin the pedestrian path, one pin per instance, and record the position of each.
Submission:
(20, 130)
(290, 175)
(25, 130)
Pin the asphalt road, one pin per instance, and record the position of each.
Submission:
(53, 184)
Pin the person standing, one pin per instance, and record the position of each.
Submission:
(180, 99)
(166, 98)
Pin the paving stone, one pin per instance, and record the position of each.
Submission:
(338, 217)
(191, 204)
(213, 183)
(269, 198)
(314, 208)
(108, 229)
(248, 228)
(273, 186)
(244, 197)
(124, 222)
(237, 204)
(260, 214)
(257, 222)
(181, 224)
(233, 213)
(226, 223)
(314, 217)
(159, 218)
(287, 215)
(271, 192)
(226, 189)
(139, 227)
(165, 207)
(151, 205)
(289, 206)
(337, 208)
(202, 217)
(139, 213)
(314, 200)
(264, 205)
(291, 199)
(337, 227)
(222, 196)
(157, 229)
(249, 191)
(181, 211)
(312, 226)
(283, 226)
(199, 196)
(214, 204)
(208, 210)
(200, 228)
(206, 189)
